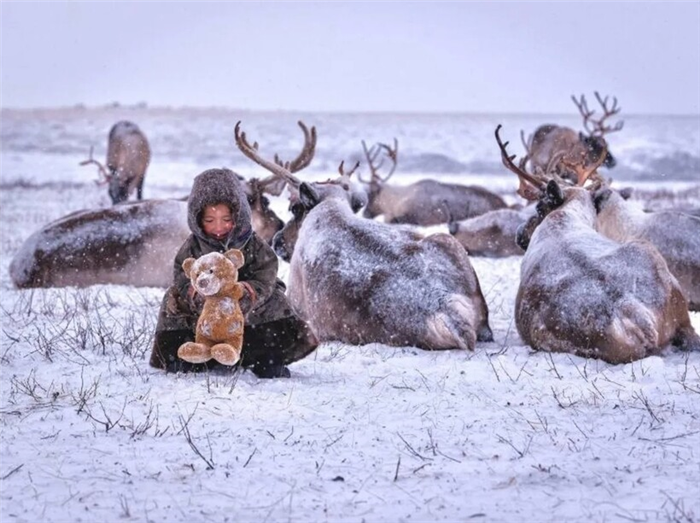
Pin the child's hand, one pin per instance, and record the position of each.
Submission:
(195, 300)
(248, 299)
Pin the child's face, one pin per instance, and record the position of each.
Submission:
(217, 221)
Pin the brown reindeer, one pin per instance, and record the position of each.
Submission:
(426, 202)
(551, 143)
(675, 234)
(583, 293)
(360, 281)
(128, 156)
(129, 244)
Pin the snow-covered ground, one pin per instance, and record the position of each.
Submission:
(89, 432)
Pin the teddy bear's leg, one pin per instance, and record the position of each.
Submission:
(225, 354)
(194, 352)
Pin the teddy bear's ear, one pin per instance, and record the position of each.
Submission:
(236, 257)
(187, 266)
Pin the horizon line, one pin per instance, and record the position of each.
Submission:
(145, 106)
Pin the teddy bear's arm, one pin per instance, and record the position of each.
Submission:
(238, 291)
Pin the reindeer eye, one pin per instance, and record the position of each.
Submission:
(265, 200)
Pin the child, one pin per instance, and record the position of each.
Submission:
(218, 215)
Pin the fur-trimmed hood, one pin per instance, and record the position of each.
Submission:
(212, 187)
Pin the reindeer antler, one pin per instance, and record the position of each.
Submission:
(101, 168)
(531, 186)
(599, 128)
(371, 155)
(251, 151)
(307, 152)
(590, 173)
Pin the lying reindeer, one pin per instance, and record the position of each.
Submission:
(129, 244)
(491, 234)
(675, 234)
(128, 156)
(551, 143)
(583, 293)
(360, 281)
(424, 202)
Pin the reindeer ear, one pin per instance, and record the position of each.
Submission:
(236, 257)
(308, 196)
(187, 266)
(554, 194)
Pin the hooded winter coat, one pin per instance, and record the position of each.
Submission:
(179, 311)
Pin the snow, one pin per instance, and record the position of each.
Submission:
(371, 433)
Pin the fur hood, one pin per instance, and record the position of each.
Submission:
(215, 186)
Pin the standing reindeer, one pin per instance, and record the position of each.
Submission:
(675, 234)
(426, 202)
(360, 281)
(551, 143)
(128, 156)
(583, 293)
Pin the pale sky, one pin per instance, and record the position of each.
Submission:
(353, 56)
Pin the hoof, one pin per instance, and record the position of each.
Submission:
(194, 352)
(225, 354)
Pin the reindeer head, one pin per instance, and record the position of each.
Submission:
(546, 187)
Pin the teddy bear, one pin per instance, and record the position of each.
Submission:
(219, 333)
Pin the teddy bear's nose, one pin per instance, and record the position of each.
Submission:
(203, 284)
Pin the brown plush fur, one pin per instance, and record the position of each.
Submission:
(219, 333)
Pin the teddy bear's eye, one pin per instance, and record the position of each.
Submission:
(211, 271)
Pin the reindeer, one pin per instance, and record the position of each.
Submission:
(583, 293)
(360, 281)
(491, 234)
(128, 156)
(424, 202)
(675, 234)
(129, 244)
(551, 143)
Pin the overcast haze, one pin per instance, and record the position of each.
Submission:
(452, 57)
